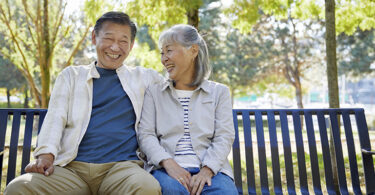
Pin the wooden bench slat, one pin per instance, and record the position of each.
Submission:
(313, 153)
(364, 141)
(287, 153)
(300, 152)
(13, 146)
(261, 153)
(339, 155)
(274, 153)
(326, 153)
(250, 173)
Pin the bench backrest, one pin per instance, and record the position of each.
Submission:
(18, 114)
(277, 124)
(252, 131)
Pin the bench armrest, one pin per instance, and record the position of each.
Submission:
(369, 152)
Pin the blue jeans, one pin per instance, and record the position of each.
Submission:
(220, 183)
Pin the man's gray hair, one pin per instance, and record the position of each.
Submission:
(187, 35)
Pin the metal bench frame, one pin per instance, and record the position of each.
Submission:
(260, 116)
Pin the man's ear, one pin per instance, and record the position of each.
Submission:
(93, 37)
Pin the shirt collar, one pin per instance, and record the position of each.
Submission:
(93, 72)
(204, 86)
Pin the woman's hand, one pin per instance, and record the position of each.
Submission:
(198, 181)
(177, 172)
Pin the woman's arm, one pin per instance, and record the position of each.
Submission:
(223, 138)
(147, 133)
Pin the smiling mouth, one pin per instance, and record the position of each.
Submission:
(169, 67)
(113, 56)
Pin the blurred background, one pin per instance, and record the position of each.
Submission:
(272, 53)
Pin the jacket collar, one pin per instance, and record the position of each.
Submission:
(93, 72)
(204, 86)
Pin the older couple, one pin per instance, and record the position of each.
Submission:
(88, 142)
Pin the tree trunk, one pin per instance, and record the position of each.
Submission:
(298, 88)
(46, 60)
(8, 98)
(193, 18)
(26, 100)
(333, 89)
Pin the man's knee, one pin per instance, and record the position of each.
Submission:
(18, 186)
(146, 184)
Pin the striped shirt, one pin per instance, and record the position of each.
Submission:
(184, 154)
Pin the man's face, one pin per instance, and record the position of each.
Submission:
(113, 44)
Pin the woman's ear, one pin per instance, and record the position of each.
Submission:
(194, 50)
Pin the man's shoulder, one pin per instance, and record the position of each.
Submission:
(141, 70)
(76, 69)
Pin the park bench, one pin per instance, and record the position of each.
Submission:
(252, 126)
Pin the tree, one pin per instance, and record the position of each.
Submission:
(36, 32)
(355, 53)
(10, 78)
(350, 15)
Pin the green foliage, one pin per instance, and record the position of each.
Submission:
(349, 14)
(356, 53)
(10, 77)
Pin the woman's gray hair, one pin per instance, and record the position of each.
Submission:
(187, 35)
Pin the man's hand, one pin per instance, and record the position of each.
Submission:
(198, 181)
(43, 165)
(176, 171)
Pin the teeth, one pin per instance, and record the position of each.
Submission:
(113, 56)
(169, 66)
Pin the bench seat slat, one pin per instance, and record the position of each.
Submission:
(13, 146)
(274, 153)
(300, 152)
(326, 153)
(27, 140)
(237, 156)
(287, 153)
(339, 155)
(364, 141)
(261, 153)
(250, 173)
(313, 153)
(3, 128)
(351, 152)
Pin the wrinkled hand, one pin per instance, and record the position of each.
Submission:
(198, 181)
(43, 164)
(177, 172)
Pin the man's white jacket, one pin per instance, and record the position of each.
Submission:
(70, 107)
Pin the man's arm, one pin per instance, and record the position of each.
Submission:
(53, 125)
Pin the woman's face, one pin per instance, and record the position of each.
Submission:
(179, 61)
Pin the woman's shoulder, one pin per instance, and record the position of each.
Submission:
(215, 86)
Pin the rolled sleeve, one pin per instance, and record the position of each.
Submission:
(223, 138)
(147, 132)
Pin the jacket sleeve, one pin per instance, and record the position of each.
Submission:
(56, 118)
(154, 77)
(147, 132)
(223, 138)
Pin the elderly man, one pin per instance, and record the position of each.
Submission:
(88, 143)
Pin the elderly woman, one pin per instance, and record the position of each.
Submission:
(186, 128)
